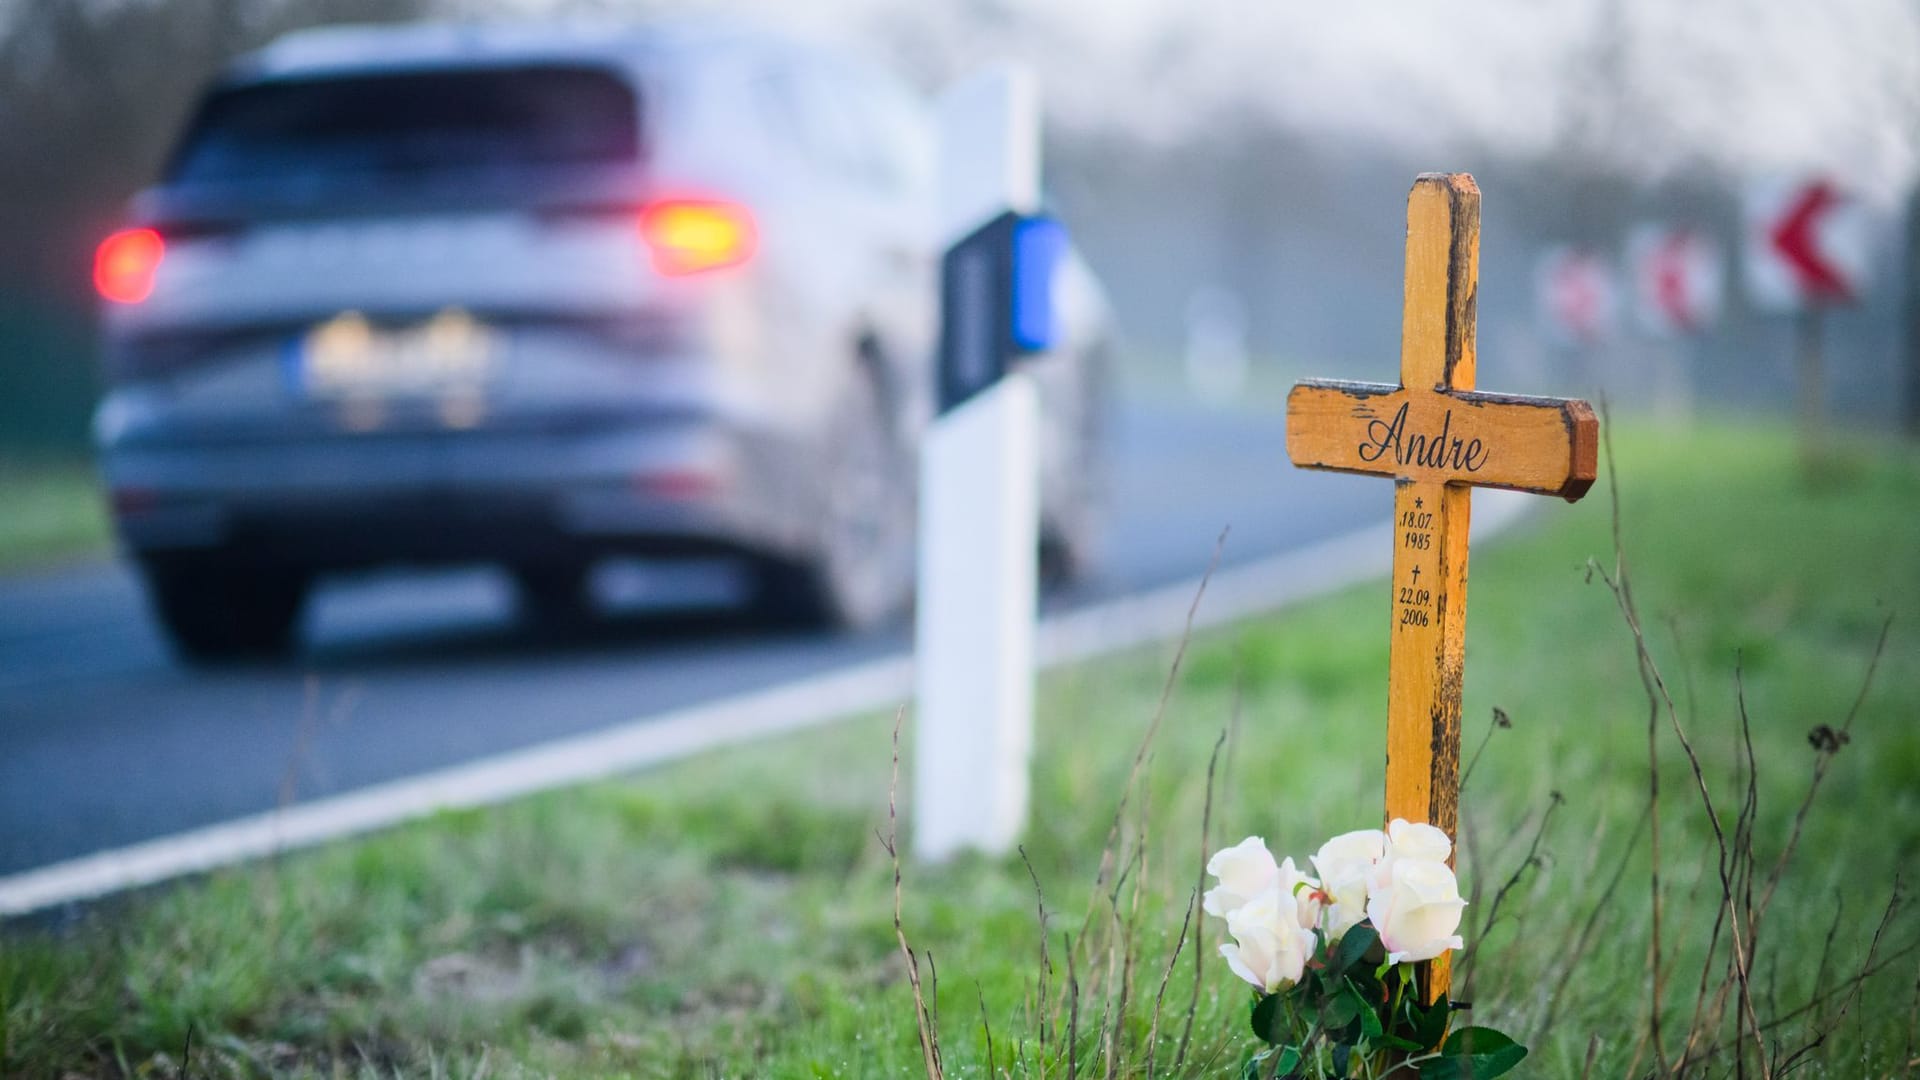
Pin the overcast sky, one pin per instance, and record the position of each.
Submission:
(1652, 85)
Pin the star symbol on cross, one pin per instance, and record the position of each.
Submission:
(1419, 503)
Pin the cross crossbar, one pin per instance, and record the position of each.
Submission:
(1547, 446)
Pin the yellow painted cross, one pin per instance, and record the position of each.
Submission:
(1438, 438)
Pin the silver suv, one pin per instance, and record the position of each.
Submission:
(534, 296)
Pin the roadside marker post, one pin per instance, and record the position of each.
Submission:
(1438, 439)
(1678, 285)
(1808, 248)
(979, 476)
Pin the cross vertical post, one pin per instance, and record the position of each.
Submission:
(1437, 438)
(1431, 517)
(1427, 646)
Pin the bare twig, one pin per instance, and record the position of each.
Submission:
(923, 1017)
(1820, 997)
(1554, 802)
(1743, 953)
(1160, 996)
(1583, 940)
(1234, 714)
(1741, 914)
(1826, 744)
(1113, 984)
(1141, 847)
(1153, 728)
(986, 1026)
(1200, 885)
(1046, 962)
(1858, 981)
(1913, 1020)
(1500, 720)
(1619, 583)
(1073, 1015)
(1826, 948)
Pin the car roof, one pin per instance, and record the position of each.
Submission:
(392, 47)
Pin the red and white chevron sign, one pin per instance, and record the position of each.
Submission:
(1574, 295)
(1676, 280)
(1807, 243)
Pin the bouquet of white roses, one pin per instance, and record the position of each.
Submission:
(1331, 954)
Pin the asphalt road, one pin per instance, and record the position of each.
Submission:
(105, 741)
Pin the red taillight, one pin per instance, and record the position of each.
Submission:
(123, 267)
(688, 236)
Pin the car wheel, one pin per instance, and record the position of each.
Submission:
(217, 613)
(862, 572)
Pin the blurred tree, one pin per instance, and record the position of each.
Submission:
(91, 97)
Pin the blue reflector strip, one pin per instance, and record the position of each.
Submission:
(1038, 245)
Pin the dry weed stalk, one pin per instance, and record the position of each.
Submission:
(1160, 996)
(1583, 941)
(986, 1026)
(1073, 1015)
(1200, 885)
(1739, 913)
(1104, 928)
(1530, 860)
(1044, 994)
(923, 1017)
(1107, 853)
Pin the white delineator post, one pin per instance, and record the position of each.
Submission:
(979, 508)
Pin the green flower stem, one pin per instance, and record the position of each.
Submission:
(1412, 1062)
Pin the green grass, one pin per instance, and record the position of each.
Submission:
(50, 510)
(732, 915)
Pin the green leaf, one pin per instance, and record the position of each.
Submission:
(1368, 983)
(1257, 1068)
(1430, 1022)
(1343, 1009)
(1269, 1020)
(1370, 1026)
(1395, 1042)
(1352, 947)
(1474, 1053)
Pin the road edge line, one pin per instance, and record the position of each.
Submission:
(1236, 592)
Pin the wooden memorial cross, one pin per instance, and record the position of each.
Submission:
(1437, 438)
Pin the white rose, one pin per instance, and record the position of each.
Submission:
(1410, 840)
(1304, 890)
(1270, 946)
(1418, 912)
(1344, 864)
(1245, 870)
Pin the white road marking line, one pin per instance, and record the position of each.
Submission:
(1110, 626)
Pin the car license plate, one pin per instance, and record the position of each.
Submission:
(348, 357)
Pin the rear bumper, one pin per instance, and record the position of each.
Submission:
(661, 488)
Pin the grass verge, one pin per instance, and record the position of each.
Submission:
(53, 511)
(732, 915)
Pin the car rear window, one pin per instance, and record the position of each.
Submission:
(411, 126)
